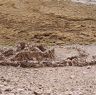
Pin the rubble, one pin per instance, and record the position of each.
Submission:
(40, 56)
(8, 53)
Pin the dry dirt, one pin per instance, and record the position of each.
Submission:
(49, 22)
(48, 81)
(52, 22)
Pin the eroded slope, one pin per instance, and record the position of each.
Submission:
(47, 21)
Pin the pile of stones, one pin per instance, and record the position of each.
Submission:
(26, 55)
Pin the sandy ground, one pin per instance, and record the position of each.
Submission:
(49, 22)
(52, 22)
(48, 81)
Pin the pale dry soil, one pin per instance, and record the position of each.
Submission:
(48, 81)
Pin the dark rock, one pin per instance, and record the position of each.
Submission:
(72, 57)
(25, 64)
(46, 63)
(8, 90)
(89, 67)
(1, 57)
(41, 47)
(21, 56)
(49, 54)
(0, 91)
(8, 53)
(35, 93)
(21, 46)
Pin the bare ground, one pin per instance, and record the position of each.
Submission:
(51, 22)
(48, 81)
(69, 80)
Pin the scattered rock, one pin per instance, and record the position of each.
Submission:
(39, 56)
(49, 54)
(71, 58)
(0, 91)
(35, 49)
(8, 53)
(8, 90)
(35, 93)
(41, 47)
(1, 57)
(21, 46)
(74, 62)
(4, 79)
(46, 63)
(88, 67)
(25, 64)
(68, 62)
(21, 56)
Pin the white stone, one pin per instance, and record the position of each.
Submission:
(85, 1)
